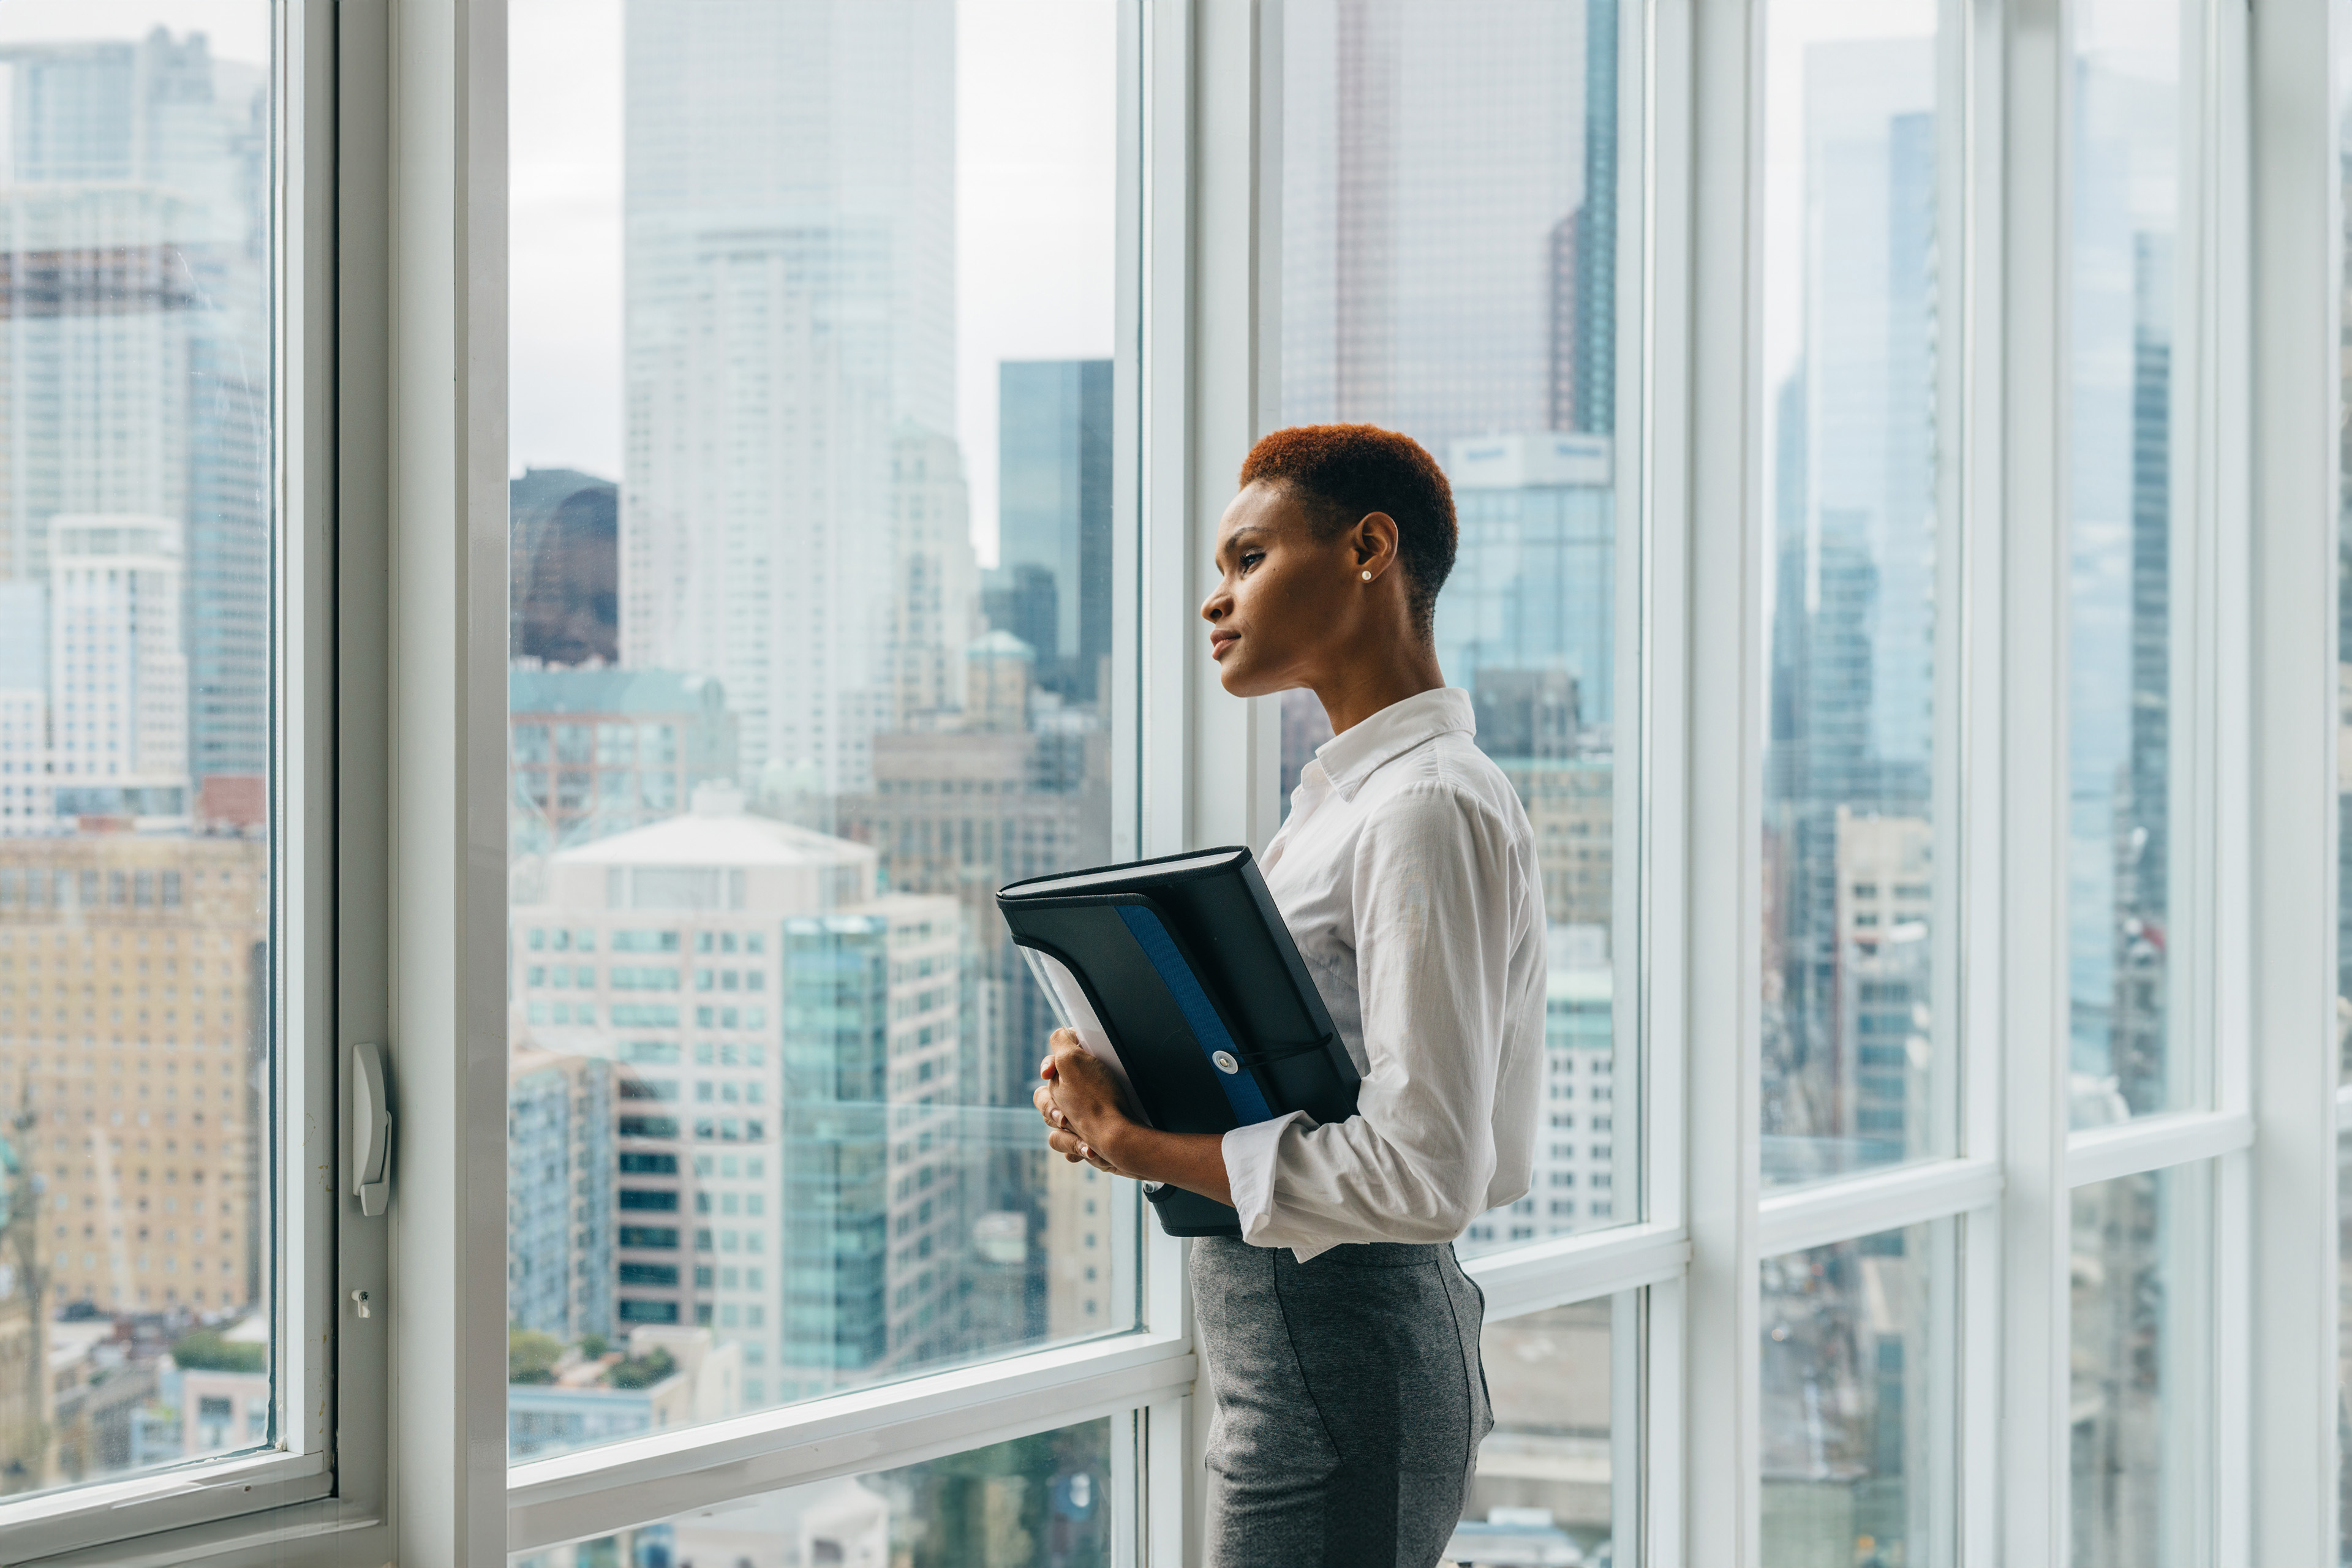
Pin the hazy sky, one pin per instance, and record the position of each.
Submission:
(1035, 191)
(239, 29)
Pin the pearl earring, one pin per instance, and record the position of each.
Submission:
(1368, 575)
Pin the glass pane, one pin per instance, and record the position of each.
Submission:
(2126, 294)
(2141, 1476)
(136, 559)
(1857, 1064)
(813, 339)
(1857, 1414)
(1450, 257)
(1545, 1489)
(1036, 1502)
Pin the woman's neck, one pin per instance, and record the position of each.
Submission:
(1357, 690)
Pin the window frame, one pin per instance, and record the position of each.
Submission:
(290, 1484)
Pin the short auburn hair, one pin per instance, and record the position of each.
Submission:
(1341, 473)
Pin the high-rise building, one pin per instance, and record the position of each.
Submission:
(134, 351)
(560, 1172)
(1572, 1183)
(772, 1021)
(2142, 836)
(105, 734)
(935, 601)
(1079, 1213)
(1440, 158)
(564, 570)
(1571, 807)
(1017, 793)
(788, 254)
(1885, 904)
(1053, 516)
(1584, 251)
(1852, 692)
(875, 1242)
(1534, 586)
(133, 1018)
(119, 670)
(597, 751)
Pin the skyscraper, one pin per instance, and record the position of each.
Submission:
(1440, 157)
(1852, 699)
(790, 253)
(119, 698)
(1584, 313)
(1054, 511)
(2121, 503)
(785, 1048)
(560, 1190)
(1534, 585)
(134, 347)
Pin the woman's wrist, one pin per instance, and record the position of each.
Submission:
(1121, 1146)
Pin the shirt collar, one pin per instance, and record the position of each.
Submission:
(1350, 758)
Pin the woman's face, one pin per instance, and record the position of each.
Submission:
(1287, 602)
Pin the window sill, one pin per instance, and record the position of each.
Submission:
(129, 1509)
(597, 1490)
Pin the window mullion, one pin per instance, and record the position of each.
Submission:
(2296, 226)
(446, 719)
(1721, 1517)
(2031, 956)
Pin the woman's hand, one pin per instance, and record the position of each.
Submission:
(1079, 1100)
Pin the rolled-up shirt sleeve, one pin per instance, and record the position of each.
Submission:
(1436, 895)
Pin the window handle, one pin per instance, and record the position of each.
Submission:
(370, 1130)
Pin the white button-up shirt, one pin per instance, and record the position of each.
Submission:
(1407, 875)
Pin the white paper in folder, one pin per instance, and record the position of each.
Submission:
(1069, 999)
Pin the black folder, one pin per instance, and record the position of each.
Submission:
(1179, 973)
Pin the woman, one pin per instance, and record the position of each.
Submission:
(1340, 1334)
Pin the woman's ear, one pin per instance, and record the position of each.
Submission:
(1375, 540)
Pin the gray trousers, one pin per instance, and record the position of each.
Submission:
(1350, 1403)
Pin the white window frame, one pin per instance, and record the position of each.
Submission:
(396, 339)
(328, 1395)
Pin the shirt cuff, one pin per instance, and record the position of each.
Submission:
(1249, 1154)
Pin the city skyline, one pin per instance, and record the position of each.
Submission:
(1034, 196)
(763, 639)
(136, 569)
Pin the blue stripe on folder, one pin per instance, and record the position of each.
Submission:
(1241, 1089)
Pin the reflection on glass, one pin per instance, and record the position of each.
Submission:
(1449, 269)
(1852, 1395)
(1542, 1491)
(814, 315)
(135, 564)
(1034, 1502)
(1854, 250)
(2137, 1353)
(2126, 295)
